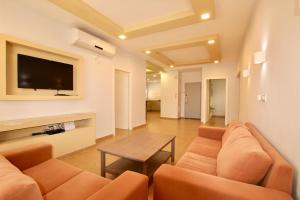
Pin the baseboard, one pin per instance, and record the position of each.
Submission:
(191, 118)
(219, 116)
(139, 126)
(170, 118)
(104, 137)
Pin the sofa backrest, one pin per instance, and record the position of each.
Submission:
(280, 175)
(14, 185)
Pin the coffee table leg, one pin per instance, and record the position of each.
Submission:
(103, 164)
(173, 151)
(145, 168)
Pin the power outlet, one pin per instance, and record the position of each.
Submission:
(261, 98)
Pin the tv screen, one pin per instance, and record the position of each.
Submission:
(37, 73)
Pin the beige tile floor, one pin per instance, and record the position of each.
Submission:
(184, 129)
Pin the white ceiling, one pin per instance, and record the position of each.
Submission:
(129, 13)
(187, 54)
(232, 18)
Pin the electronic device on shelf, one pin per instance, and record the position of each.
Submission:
(37, 73)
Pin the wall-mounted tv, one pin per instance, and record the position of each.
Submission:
(38, 73)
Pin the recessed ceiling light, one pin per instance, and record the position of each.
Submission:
(211, 41)
(216, 61)
(148, 70)
(154, 75)
(147, 52)
(172, 66)
(122, 37)
(205, 16)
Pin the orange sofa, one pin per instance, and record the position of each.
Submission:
(31, 173)
(233, 163)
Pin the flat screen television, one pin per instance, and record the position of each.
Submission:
(38, 73)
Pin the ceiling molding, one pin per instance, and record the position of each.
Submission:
(213, 50)
(163, 24)
(153, 67)
(89, 14)
(84, 11)
(204, 6)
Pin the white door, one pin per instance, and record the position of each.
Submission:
(121, 100)
(192, 107)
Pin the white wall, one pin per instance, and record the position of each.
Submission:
(187, 77)
(225, 69)
(121, 99)
(276, 30)
(169, 94)
(153, 90)
(218, 96)
(26, 23)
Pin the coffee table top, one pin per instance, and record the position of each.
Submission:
(138, 146)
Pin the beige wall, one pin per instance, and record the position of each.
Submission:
(276, 30)
(153, 90)
(169, 94)
(17, 19)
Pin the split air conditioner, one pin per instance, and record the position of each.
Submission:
(87, 41)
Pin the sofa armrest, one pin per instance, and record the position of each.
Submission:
(171, 182)
(128, 186)
(29, 156)
(214, 133)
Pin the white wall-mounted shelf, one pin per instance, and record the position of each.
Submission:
(18, 133)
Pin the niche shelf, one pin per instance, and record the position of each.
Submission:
(18, 133)
(10, 47)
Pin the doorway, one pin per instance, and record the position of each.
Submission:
(121, 99)
(192, 108)
(153, 92)
(216, 106)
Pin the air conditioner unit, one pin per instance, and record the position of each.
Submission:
(87, 41)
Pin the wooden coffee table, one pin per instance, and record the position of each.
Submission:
(140, 152)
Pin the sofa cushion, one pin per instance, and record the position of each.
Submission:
(198, 163)
(14, 185)
(233, 125)
(243, 159)
(51, 174)
(236, 134)
(206, 147)
(79, 187)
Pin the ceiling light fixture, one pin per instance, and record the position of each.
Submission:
(122, 37)
(148, 52)
(205, 16)
(216, 61)
(171, 66)
(211, 41)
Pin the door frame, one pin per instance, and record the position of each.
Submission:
(205, 100)
(129, 99)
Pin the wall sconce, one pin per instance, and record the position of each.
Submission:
(246, 73)
(259, 57)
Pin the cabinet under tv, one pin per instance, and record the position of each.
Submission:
(30, 71)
